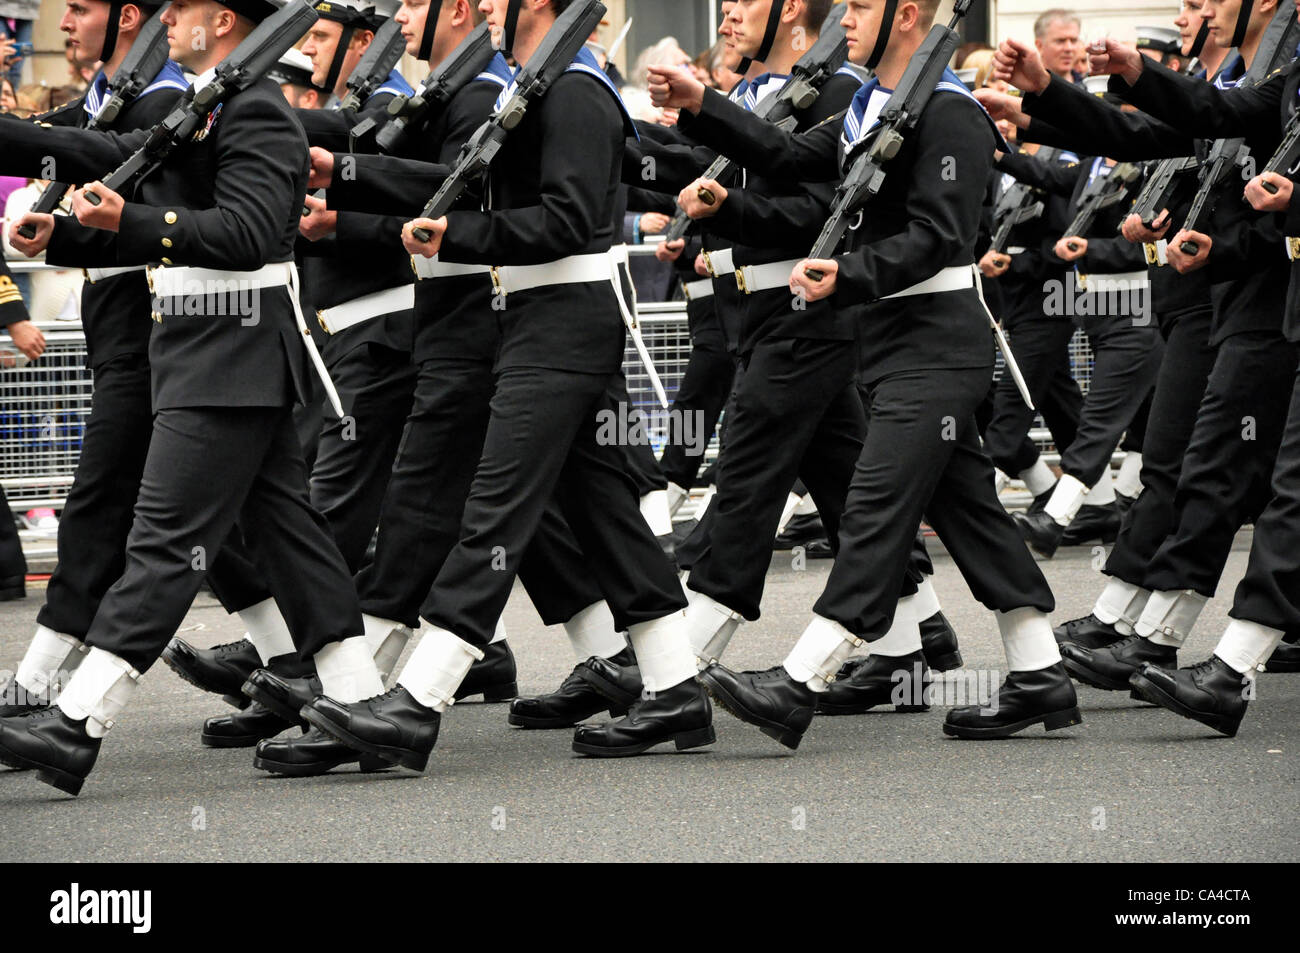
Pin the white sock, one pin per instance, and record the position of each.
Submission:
(1039, 478)
(791, 504)
(807, 506)
(904, 635)
(1102, 492)
(1247, 645)
(267, 630)
(1027, 639)
(386, 639)
(709, 627)
(816, 658)
(1168, 617)
(437, 667)
(1000, 480)
(925, 603)
(1129, 481)
(1120, 604)
(654, 507)
(499, 634)
(662, 651)
(98, 691)
(677, 495)
(347, 671)
(592, 632)
(48, 652)
(1066, 500)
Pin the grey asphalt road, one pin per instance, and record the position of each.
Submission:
(1131, 783)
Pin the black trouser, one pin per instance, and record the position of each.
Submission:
(1042, 350)
(13, 564)
(915, 465)
(419, 523)
(797, 415)
(703, 392)
(543, 439)
(1126, 356)
(1180, 385)
(1136, 435)
(354, 458)
(206, 467)
(101, 502)
(638, 457)
(1228, 469)
(1269, 593)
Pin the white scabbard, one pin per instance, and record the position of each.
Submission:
(1012, 367)
(619, 261)
(319, 362)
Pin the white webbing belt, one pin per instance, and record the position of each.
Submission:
(1017, 250)
(366, 308)
(94, 275)
(574, 270)
(751, 279)
(695, 290)
(426, 268)
(1117, 282)
(954, 278)
(719, 263)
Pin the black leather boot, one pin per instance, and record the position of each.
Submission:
(393, 726)
(16, 700)
(311, 754)
(51, 744)
(1093, 524)
(245, 728)
(282, 696)
(781, 707)
(939, 644)
(573, 702)
(492, 676)
(800, 530)
(1286, 657)
(617, 678)
(1088, 633)
(1112, 666)
(903, 682)
(1210, 692)
(221, 670)
(1045, 696)
(680, 714)
(1040, 531)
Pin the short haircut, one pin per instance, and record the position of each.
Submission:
(818, 11)
(1054, 15)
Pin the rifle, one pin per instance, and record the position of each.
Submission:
(142, 63)
(1275, 49)
(553, 57)
(898, 118)
(1020, 203)
(469, 59)
(1102, 192)
(1285, 158)
(1159, 189)
(375, 65)
(250, 60)
(807, 77)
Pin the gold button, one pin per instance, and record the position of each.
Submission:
(167, 243)
(166, 261)
(157, 317)
(170, 218)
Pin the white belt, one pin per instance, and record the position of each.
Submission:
(1120, 281)
(354, 312)
(1156, 252)
(1017, 250)
(751, 279)
(574, 270)
(95, 275)
(177, 281)
(695, 290)
(719, 263)
(954, 278)
(426, 268)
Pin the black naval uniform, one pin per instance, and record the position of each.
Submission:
(99, 510)
(224, 380)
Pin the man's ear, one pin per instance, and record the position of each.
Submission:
(132, 18)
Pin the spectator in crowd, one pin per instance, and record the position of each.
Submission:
(966, 51)
(17, 18)
(8, 98)
(720, 76)
(33, 99)
(1056, 34)
(667, 52)
(62, 95)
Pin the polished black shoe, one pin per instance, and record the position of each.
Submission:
(1285, 658)
(818, 549)
(800, 529)
(617, 678)
(1088, 633)
(680, 714)
(245, 728)
(311, 754)
(1040, 531)
(939, 644)
(1210, 692)
(492, 676)
(51, 744)
(12, 588)
(902, 681)
(1111, 667)
(1043, 697)
(282, 696)
(781, 707)
(572, 703)
(16, 700)
(221, 670)
(1093, 524)
(392, 726)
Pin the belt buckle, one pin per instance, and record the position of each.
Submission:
(497, 287)
(708, 265)
(1082, 280)
(1293, 248)
(740, 281)
(148, 274)
(1153, 253)
(85, 273)
(320, 319)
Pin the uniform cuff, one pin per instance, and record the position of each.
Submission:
(148, 234)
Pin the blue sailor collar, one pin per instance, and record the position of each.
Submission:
(169, 77)
(1230, 75)
(854, 135)
(498, 71)
(395, 85)
(755, 89)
